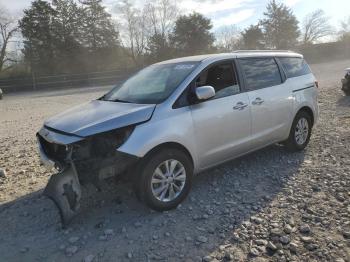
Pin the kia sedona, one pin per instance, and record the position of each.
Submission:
(174, 119)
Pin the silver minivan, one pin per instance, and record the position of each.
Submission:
(176, 118)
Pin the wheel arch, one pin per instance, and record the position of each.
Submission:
(170, 145)
(309, 111)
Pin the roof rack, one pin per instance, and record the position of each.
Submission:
(263, 51)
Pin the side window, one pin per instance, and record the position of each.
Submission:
(294, 66)
(222, 77)
(260, 72)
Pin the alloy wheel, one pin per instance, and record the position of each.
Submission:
(168, 180)
(301, 131)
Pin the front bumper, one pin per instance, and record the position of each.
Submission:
(64, 190)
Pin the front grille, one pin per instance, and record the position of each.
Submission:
(52, 150)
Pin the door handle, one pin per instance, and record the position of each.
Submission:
(258, 101)
(240, 106)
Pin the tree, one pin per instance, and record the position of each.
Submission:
(39, 40)
(253, 38)
(280, 26)
(67, 37)
(228, 38)
(158, 49)
(8, 28)
(161, 16)
(98, 29)
(135, 29)
(345, 30)
(67, 23)
(315, 26)
(99, 36)
(191, 34)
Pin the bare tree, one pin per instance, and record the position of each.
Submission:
(345, 25)
(228, 38)
(156, 18)
(316, 26)
(161, 16)
(135, 28)
(345, 29)
(8, 27)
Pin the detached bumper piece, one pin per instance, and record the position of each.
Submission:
(64, 189)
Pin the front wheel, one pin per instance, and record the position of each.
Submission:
(165, 179)
(300, 132)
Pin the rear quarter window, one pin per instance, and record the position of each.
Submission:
(294, 66)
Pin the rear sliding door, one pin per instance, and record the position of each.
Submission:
(270, 101)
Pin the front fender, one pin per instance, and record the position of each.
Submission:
(176, 128)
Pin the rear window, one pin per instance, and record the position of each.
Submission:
(295, 66)
(260, 72)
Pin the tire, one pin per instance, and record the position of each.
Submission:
(294, 142)
(158, 189)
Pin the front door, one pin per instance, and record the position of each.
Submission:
(222, 124)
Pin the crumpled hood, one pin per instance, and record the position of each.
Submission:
(99, 116)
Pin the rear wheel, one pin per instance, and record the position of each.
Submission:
(300, 132)
(165, 179)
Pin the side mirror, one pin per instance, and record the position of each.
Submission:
(204, 92)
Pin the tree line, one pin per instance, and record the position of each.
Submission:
(66, 36)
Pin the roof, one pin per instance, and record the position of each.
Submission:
(235, 54)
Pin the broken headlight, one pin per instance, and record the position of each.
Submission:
(121, 135)
(103, 144)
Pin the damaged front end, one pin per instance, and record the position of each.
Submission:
(78, 161)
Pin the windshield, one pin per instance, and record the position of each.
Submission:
(151, 85)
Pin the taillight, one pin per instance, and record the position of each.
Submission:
(316, 84)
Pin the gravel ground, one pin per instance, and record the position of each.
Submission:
(267, 206)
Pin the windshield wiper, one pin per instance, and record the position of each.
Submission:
(119, 100)
(103, 98)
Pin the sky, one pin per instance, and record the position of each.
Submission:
(241, 13)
